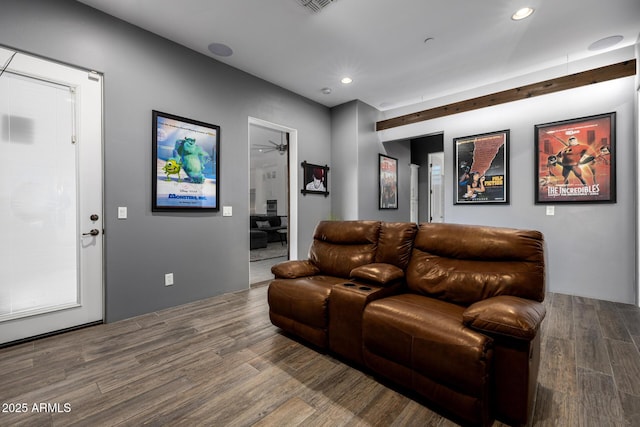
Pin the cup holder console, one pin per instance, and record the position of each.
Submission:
(353, 285)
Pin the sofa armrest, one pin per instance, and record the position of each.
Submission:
(379, 273)
(294, 268)
(507, 316)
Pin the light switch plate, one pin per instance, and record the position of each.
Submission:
(227, 211)
(122, 212)
(168, 279)
(551, 210)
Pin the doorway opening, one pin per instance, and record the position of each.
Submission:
(428, 153)
(271, 231)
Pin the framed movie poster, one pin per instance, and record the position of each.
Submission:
(482, 168)
(575, 160)
(388, 179)
(316, 179)
(185, 172)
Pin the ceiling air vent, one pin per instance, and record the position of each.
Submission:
(315, 5)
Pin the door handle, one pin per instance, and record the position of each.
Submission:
(93, 232)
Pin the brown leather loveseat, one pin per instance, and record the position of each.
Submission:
(451, 312)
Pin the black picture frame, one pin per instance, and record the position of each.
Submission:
(315, 179)
(387, 182)
(481, 163)
(575, 160)
(185, 164)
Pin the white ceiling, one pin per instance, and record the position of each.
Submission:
(381, 43)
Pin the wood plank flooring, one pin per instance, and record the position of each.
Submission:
(220, 362)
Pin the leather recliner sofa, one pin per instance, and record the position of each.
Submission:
(451, 312)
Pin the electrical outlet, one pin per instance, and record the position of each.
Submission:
(168, 279)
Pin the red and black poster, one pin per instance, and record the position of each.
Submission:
(481, 164)
(575, 160)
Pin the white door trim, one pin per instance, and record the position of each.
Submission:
(293, 179)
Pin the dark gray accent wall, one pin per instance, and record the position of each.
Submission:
(207, 253)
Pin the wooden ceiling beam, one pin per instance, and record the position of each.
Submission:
(598, 75)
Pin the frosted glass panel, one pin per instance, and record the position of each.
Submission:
(37, 198)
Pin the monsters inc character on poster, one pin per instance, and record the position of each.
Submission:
(575, 160)
(186, 163)
(481, 164)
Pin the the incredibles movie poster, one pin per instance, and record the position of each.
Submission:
(575, 160)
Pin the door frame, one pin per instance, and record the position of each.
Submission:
(51, 70)
(293, 177)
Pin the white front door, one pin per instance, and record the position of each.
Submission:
(50, 197)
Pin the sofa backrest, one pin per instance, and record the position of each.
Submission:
(274, 221)
(464, 264)
(395, 243)
(340, 246)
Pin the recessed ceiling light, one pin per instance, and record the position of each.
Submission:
(525, 12)
(220, 49)
(326, 90)
(605, 43)
(346, 80)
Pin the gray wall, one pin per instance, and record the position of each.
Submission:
(343, 176)
(590, 247)
(355, 150)
(207, 253)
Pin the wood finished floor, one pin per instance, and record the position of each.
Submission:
(219, 362)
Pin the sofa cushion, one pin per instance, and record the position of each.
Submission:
(273, 220)
(395, 243)
(428, 336)
(465, 264)
(263, 224)
(340, 246)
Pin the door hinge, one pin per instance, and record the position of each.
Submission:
(73, 139)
